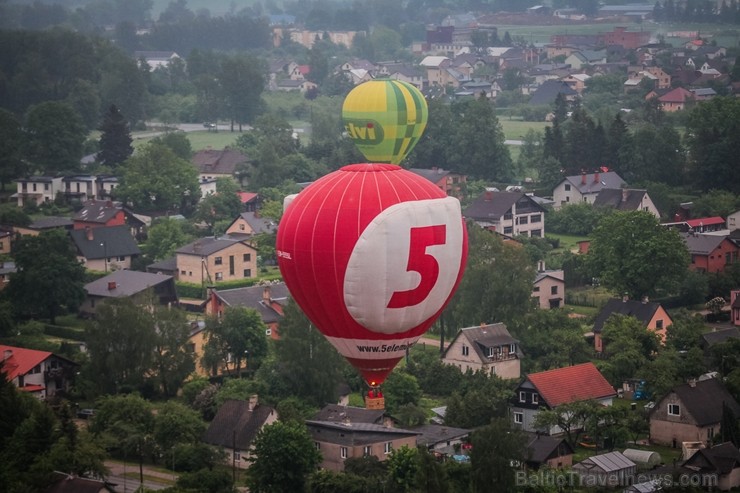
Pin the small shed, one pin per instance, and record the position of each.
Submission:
(611, 469)
(643, 458)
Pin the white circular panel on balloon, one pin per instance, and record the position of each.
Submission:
(405, 265)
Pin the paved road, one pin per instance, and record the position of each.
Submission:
(126, 477)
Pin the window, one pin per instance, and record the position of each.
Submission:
(585, 199)
(693, 259)
(508, 230)
(388, 448)
(512, 348)
(554, 290)
(268, 332)
(507, 216)
(536, 289)
(465, 350)
(231, 265)
(34, 187)
(567, 187)
(674, 410)
(218, 261)
(367, 450)
(247, 272)
(182, 272)
(524, 220)
(317, 445)
(728, 258)
(219, 276)
(242, 227)
(518, 418)
(121, 258)
(247, 257)
(537, 218)
(343, 452)
(522, 397)
(659, 324)
(567, 199)
(237, 455)
(535, 399)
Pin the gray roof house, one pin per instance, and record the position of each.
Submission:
(489, 348)
(440, 439)
(549, 90)
(508, 213)
(585, 187)
(626, 199)
(349, 414)
(105, 248)
(612, 469)
(268, 299)
(235, 427)
(129, 284)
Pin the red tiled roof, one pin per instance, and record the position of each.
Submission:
(570, 384)
(677, 95)
(21, 360)
(245, 197)
(705, 221)
(31, 388)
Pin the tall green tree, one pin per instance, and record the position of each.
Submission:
(178, 143)
(552, 339)
(164, 237)
(713, 138)
(115, 138)
(49, 280)
(54, 137)
(237, 336)
(495, 447)
(284, 456)
(224, 205)
(480, 142)
(496, 285)
(569, 417)
(631, 253)
(174, 186)
(308, 365)
(11, 145)
(242, 84)
(122, 84)
(172, 363)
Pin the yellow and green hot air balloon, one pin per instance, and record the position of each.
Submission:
(385, 119)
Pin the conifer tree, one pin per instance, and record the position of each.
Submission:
(115, 140)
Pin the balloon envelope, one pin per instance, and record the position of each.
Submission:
(372, 253)
(385, 119)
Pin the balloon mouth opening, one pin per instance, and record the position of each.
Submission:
(368, 167)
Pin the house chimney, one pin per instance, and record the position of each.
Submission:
(488, 196)
(111, 285)
(253, 402)
(88, 233)
(266, 294)
(583, 178)
(540, 266)
(109, 204)
(692, 382)
(625, 298)
(596, 177)
(645, 299)
(625, 194)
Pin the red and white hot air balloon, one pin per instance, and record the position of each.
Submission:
(372, 253)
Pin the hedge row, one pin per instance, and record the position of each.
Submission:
(189, 290)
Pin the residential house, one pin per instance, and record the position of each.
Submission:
(403, 72)
(157, 59)
(307, 38)
(218, 163)
(663, 79)
(336, 413)
(719, 464)
(487, 348)
(99, 213)
(611, 469)
(697, 225)
(6, 270)
(579, 60)
(39, 373)
(548, 91)
(142, 287)
(676, 100)
(549, 287)
(250, 201)
(44, 224)
(509, 213)
(710, 253)
(449, 182)
(650, 314)
(691, 412)
(626, 199)
(547, 451)
(105, 185)
(6, 241)
(79, 188)
(577, 82)
(215, 259)
(629, 39)
(106, 248)
(269, 300)
(552, 388)
(251, 223)
(300, 85)
(236, 425)
(584, 187)
(37, 190)
(721, 336)
(436, 69)
(338, 442)
(440, 440)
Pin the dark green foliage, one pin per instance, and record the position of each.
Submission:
(54, 137)
(480, 398)
(178, 143)
(192, 457)
(115, 138)
(575, 219)
(495, 446)
(11, 145)
(552, 340)
(49, 279)
(400, 389)
(206, 481)
(238, 336)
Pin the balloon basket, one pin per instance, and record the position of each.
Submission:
(374, 403)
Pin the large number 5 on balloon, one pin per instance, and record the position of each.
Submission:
(422, 262)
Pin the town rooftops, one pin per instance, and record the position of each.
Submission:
(351, 432)
(349, 414)
(701, 244)
(595, 182)
(570, 384)
(105, 242)
(124, 283)
(221, 161)
(208, 245)
(491, 205)
(268, 300)
(641, 310)
(433, 175)
(722, 335)
(51, 223)
(484, 336)
(237, 423)
(609, 462)
(19, 361)
(703, 400)
(98, 211)
(625, 199)
(705, 221)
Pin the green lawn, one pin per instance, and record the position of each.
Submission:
(516, 129)
(567, 242)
